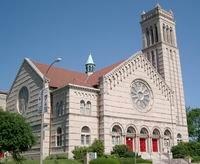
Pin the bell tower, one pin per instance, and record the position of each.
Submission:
(160, 48)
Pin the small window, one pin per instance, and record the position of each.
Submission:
(85, 135)
(57, 109)
(59, 136)
(88, 108)
(82, 106)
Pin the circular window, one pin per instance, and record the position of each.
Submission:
(142, 95)
(23, 99)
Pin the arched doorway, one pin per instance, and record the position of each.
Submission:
(130, 138)
(144, 140)
(155, 140)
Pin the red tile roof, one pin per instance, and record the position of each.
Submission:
(60, 77)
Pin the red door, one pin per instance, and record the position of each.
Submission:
(142, 145)
(129, 143)
(155, 145)
(1, 154)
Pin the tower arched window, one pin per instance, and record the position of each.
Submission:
(156, 33)
(148, 37)
(82, 106)
(59, 137)
(164, 33)
(23, 99)
(152, 35)
(88, 107)
(85, 135)
(116, 135)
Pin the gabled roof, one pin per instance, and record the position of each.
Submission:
(60, 77)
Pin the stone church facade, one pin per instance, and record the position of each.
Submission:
(138, 102)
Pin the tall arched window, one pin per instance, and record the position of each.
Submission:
(88, 107)
(23, 99)
(82, 106)
(116, 135)
(85, 135)
(59, 136)
(179, 138)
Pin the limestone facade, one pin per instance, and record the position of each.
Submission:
(138, 102)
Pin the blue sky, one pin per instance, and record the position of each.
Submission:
(46, 29)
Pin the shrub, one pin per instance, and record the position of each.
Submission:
(183, 150)
(105, 161)
(57, 156)
(121, 150)
(98, 147)
(80, 153)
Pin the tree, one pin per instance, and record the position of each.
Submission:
(15, 134)
(193, 120)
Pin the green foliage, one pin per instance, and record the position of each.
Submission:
(15, 134)
(80, 153)
(193, 120)
(98, 147)
(184, 150)
(57, 156)
(120, 150)
(195, 159)
(105, 161)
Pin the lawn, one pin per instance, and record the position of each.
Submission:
(58, 161)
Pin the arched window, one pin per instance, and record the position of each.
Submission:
(156, 133)
(61, 108)
(88, 107)
(179, 138)
(85, 135)
(23, 99)
(116, 135)
(82, 106)
(59, 136)
(144, 132)
(131, 131)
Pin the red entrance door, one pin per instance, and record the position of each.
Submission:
(129, 143)
(1, 154)
(142, 145)
(155, 145)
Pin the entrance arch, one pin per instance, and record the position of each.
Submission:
(130, 138)
(156, 140)
(144, 135)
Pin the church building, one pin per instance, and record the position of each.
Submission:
(138, 101)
